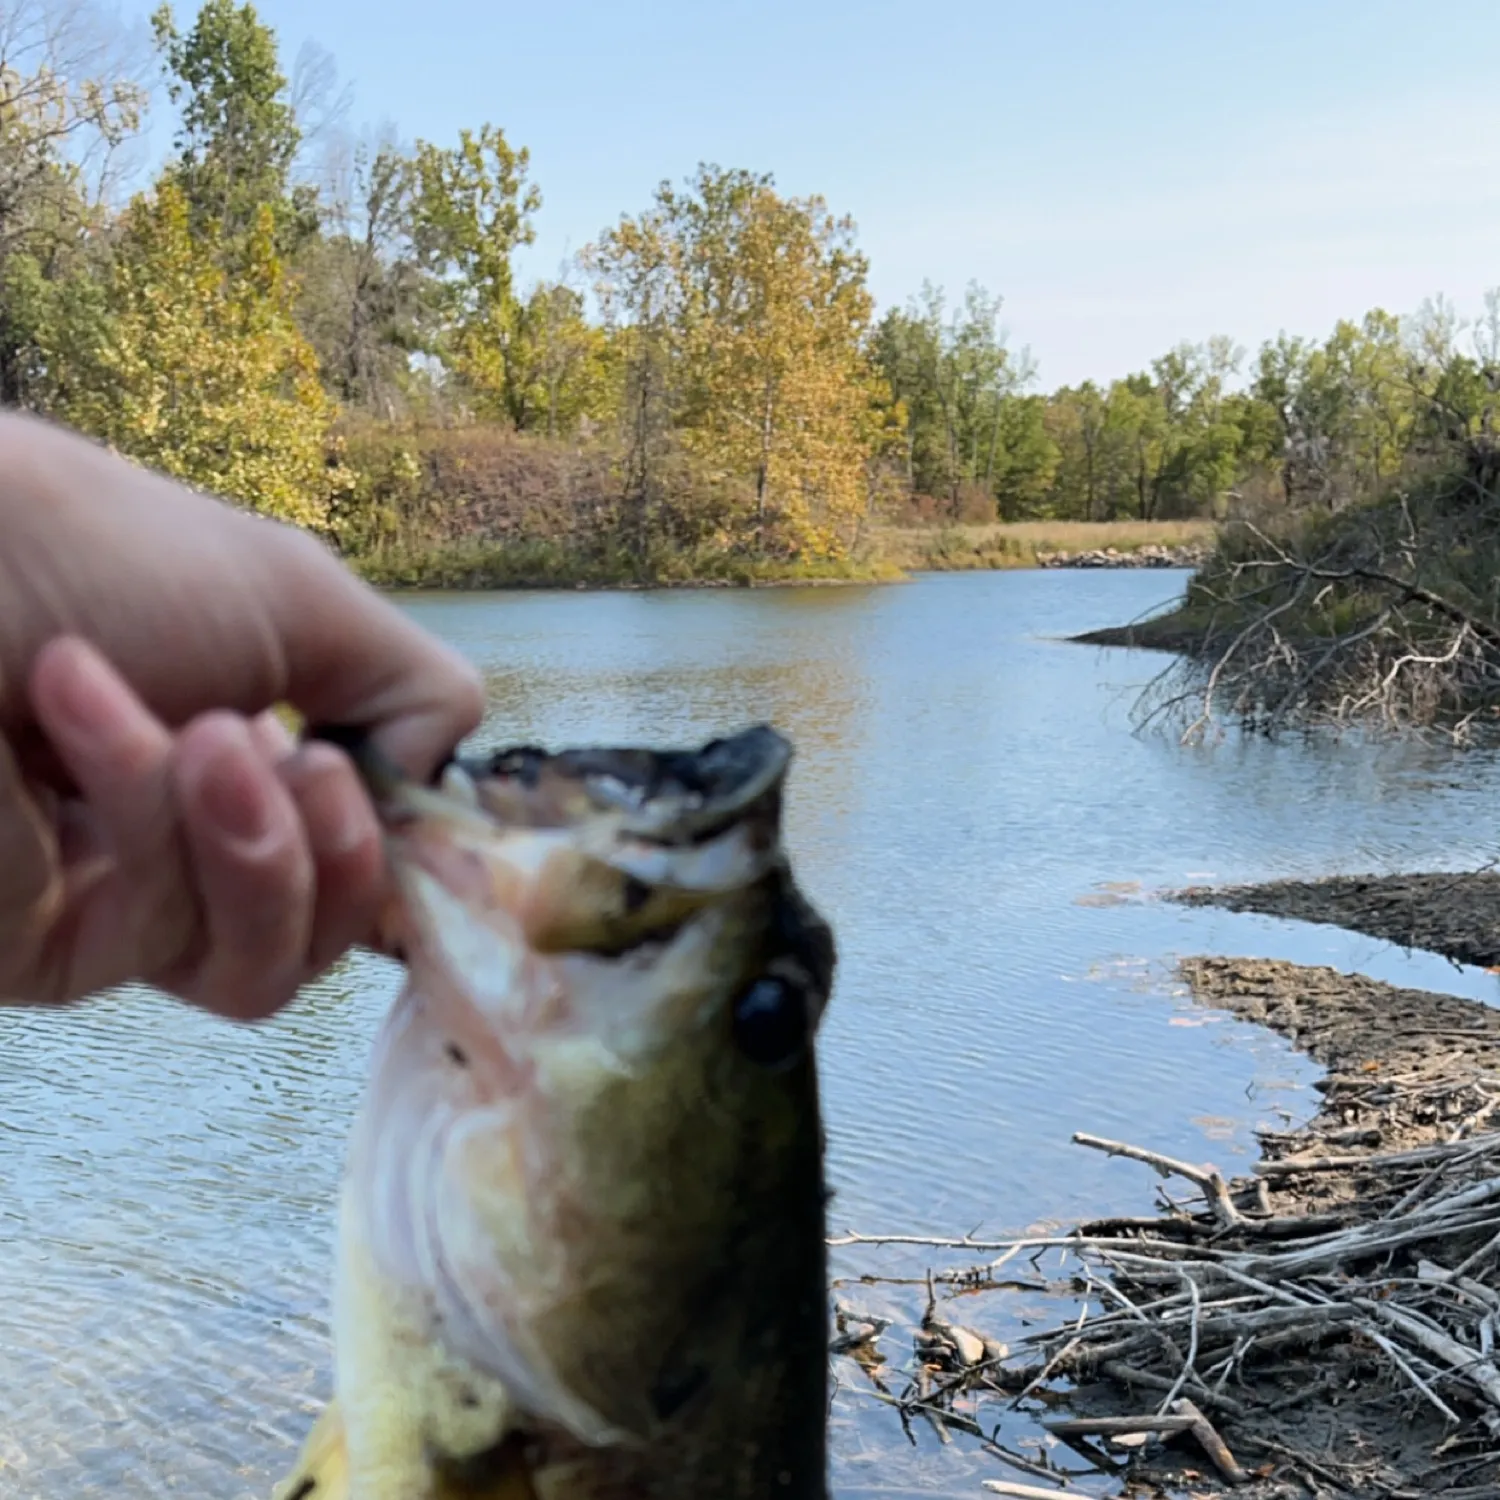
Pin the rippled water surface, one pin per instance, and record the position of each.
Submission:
(969, 807)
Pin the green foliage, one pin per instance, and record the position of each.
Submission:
(53, 321)
(1160, 444)
(237, 135)
(557, 368)
(1026, 458)
(955, 382)
(1343, 410)
(1316, 424)
(472, 208)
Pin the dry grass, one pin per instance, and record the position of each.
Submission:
(1015, 544)
(1081, 536)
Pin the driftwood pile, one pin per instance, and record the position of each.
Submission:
(1211, 1325)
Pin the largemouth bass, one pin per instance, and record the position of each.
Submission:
(581, 1234)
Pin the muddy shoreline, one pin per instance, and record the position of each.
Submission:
(1343, 1336)
(1455, 915)
(1169, 633)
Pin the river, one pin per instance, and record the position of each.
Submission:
(972, 811)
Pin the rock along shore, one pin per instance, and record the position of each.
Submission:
(1151, 556)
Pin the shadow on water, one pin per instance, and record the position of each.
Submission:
(971, 810)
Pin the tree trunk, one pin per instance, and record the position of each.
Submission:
(989, 466)
(763, 470)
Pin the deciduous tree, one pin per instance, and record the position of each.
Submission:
(237, 135)
(472, 209)
(198, 373)
(759, 304)
(70, 99)
(363, 300)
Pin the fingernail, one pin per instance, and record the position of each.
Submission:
(274, 740)
(234, 795)
(337, 815)
(83, 696)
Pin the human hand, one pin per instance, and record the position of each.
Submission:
(155, 823)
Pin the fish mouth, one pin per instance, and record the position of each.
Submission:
(672, 797)
(592, 851)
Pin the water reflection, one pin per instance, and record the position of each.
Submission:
(964, 778)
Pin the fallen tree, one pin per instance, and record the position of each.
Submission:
(1383, 615)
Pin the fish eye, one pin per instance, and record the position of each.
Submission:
(770, 1022)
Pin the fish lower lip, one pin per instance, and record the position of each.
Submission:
(455, 782)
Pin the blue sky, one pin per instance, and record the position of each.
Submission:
(1125, 175)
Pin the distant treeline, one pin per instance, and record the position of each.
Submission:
(330, 330)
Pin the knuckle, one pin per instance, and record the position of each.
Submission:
(259, 917)
(310, 557)
(240, 1001)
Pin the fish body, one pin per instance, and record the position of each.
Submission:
(581, 1234)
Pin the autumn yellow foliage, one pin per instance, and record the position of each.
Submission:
(780, 385)
(202, 375)
(749, 315)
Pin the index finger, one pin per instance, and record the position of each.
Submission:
(30, 876)
(350, 657)
(201, 605)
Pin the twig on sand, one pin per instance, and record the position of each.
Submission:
(1211, 1443)
(1206, 1178)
